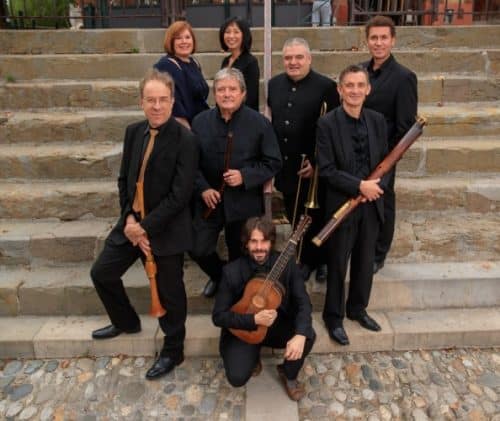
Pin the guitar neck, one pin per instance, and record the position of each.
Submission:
(280, 264)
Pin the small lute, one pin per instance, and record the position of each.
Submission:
(267, 292)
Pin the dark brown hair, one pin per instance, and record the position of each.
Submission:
(174, 30)
(380, 21)
(353, 68)
(264, 225)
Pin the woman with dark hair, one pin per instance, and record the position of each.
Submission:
(235, 37)
(191, 89)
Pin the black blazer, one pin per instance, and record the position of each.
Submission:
(394, 94)
(336, 157)
(168, 186)
(295, 305)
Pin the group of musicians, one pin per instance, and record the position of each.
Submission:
(180, 188)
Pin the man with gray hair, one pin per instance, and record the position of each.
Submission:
(296, 98)
(238, 154)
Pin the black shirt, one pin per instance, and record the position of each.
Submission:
(249, 66)
(255, 153)
(359, 136)
(295, 109)
(393, 94)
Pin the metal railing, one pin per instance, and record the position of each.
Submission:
(96, 14)
(161, 13)
(424, 12)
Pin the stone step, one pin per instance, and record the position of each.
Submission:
(101, 160)
(124, 94)
(94, 160)
(63, 337)
(422, 236)
(469, 192)
(62, 200)
(68, 291)
(70, 126)
(108, 125)
(477, 62)
(75, 199)
(132, 41)
(432, 156)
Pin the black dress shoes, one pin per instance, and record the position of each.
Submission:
(294, 389)
(338, 335)
(210, 288)
(321, 273)
(367, 322)
(162, 366)
(112, 331)
(377, 266)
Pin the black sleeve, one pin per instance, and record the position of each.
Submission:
(251, 73)
(201, 183)
(382, 136)
(222, 316)
(270, 158)
(303, 317)
(406, 106)
(332, 96)
(125, 204)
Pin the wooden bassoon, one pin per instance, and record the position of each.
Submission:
(266, 293)
(383, 168)
(156, 310)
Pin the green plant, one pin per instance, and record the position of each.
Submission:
(10, 79)
(49, 8)
(134, 50)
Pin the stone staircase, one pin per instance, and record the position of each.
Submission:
(67, 97)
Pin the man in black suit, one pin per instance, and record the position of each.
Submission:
(289, 327)
(254, 159)
(393, 94)
(165, 155)
(351, 142)
(296, 99)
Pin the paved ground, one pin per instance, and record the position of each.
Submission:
(418, 385)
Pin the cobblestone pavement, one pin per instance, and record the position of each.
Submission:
(417, 385)
(115, 389)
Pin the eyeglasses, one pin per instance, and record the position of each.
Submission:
(163, 100)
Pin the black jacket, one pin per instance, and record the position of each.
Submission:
(295, 109)
(393, 94)
(168, 186)
(295, 305)
(336, 157)
(255, 153)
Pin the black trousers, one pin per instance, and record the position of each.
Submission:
(386, 233)
(355, 239)
(206, 236)
(240, 358)
(106, 275)
(311, 256)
